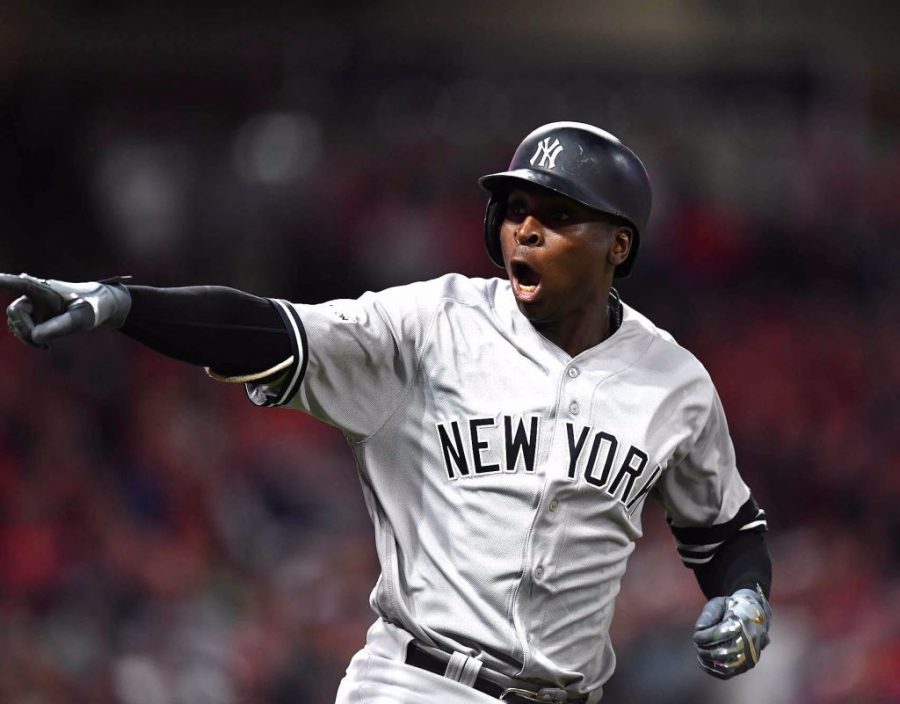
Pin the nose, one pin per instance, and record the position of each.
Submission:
(530, 232)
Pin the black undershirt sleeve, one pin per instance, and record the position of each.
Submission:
(232, 332)
(741, 562)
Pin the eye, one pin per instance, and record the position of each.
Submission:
(561, 215)
(515, 210)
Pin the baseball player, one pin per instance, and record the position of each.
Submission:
(507, 434)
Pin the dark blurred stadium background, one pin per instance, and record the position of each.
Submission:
(162, 542)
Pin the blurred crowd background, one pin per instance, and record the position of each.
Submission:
(164, 542)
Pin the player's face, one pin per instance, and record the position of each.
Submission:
(559, 255)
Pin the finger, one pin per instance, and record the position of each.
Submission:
(736, 664)
(720, 632)
(41, 293)
(23, 284)
(21, 305)
(724, 652)
(731, 654)
(719, 672)
(18, 317)
(78, 318)
(46, 301)
(13, 283)
(712, 613)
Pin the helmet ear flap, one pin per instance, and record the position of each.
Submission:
(493, 219)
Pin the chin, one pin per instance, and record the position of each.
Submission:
(534, 311)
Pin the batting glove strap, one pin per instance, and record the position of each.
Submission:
(732, 632)
(109, 300)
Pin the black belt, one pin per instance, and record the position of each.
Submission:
(424, 660)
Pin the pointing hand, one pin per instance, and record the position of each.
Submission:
(47, 309)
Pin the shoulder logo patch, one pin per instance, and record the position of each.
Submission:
(344, 311)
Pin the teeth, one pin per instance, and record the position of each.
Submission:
(528, 289)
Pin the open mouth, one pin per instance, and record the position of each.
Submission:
(525, 279)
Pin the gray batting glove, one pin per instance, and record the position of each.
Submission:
(47, 309)
(732, 631)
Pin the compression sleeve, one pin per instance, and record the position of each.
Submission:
(741, 562)
(231, 332)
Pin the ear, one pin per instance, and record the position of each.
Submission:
(620, 244)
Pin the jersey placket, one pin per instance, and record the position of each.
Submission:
(548, 526)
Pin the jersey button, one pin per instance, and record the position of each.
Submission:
(539, 573)
(573, 372)
(573, 408)
(553, 505)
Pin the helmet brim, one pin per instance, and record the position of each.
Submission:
(502, 182)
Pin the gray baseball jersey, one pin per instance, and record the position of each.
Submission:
(505, 479)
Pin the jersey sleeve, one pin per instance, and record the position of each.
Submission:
(355, 358)
(705, 498)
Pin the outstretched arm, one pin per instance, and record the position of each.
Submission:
(236, 335)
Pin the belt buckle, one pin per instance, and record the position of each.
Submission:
(548, 695)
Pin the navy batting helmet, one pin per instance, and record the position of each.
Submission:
(582, 162)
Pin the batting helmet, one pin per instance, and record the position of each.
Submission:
(579, 161)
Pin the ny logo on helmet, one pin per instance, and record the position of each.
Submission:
(548, 153)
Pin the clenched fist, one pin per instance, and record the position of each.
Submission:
(732, 631)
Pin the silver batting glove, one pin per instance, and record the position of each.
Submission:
(47, 309)
(732, 632)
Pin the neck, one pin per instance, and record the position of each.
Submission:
(576, 334)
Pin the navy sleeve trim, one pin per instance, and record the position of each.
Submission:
(299, 348)
(698, 545)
